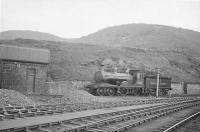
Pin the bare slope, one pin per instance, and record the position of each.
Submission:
(71, 61)
(27, 34)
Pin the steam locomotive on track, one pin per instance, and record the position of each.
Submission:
(112, 82)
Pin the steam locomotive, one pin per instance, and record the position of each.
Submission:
(112, 82)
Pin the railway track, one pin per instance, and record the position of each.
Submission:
(109, 121)
(178, 123)
(15, 112)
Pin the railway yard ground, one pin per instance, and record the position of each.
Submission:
(79, 111)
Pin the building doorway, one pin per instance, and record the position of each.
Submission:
(31, 80)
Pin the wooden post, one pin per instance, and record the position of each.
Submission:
(1, 74)
(158, 79)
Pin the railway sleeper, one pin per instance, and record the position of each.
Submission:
(50, 112)
(66, 127)
(9, 108)
(29, 107)
(107, 129)
(2, 112)
(95, 130)
(40, 113)
(1, 117)
(24, 111)
(29, 114)
(58, 111)
(9, 116)
(34, 110)
(32, 127)
(87, 119)
(74, 123)
(18, 107)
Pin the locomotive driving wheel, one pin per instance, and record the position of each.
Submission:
(139, 91)
(152, 92)
(163, 92)
(123, 91)
(100, 91)
(110, 91)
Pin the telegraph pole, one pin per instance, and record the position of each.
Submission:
(158, 79)
(1, 73)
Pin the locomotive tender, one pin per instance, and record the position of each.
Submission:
(111, 82)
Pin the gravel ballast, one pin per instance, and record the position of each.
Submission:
(14, 98)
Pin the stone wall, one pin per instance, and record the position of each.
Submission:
(177, 88)
(193, 89)
(185, 88)
(14, 76)
(59, 87)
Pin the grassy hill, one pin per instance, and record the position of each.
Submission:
(146, 47)
(71, 61)
(146, 36)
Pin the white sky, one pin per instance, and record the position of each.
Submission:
(76, 18)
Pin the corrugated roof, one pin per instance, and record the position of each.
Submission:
(17, 53)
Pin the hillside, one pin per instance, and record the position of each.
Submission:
(70, 61)
(146, 36)
(27, 34)
(140, 46)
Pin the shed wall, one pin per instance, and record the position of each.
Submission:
(14, 76)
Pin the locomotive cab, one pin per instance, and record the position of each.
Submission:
(137, 76)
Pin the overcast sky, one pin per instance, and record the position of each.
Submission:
(76, 18)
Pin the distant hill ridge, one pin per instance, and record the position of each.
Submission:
(28, 34)
(142, 36)
(145, 36)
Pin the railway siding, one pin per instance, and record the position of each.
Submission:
(145, 117)
(31, 121)
(14, 112)
(96, 118)
(185, 120)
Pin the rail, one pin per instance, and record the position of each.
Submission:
(181, 122)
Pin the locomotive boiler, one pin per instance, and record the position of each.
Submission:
(112, 81)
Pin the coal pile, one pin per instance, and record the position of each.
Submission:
(70, 92)
(74, 96)
(14, 98)
(79, 96)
